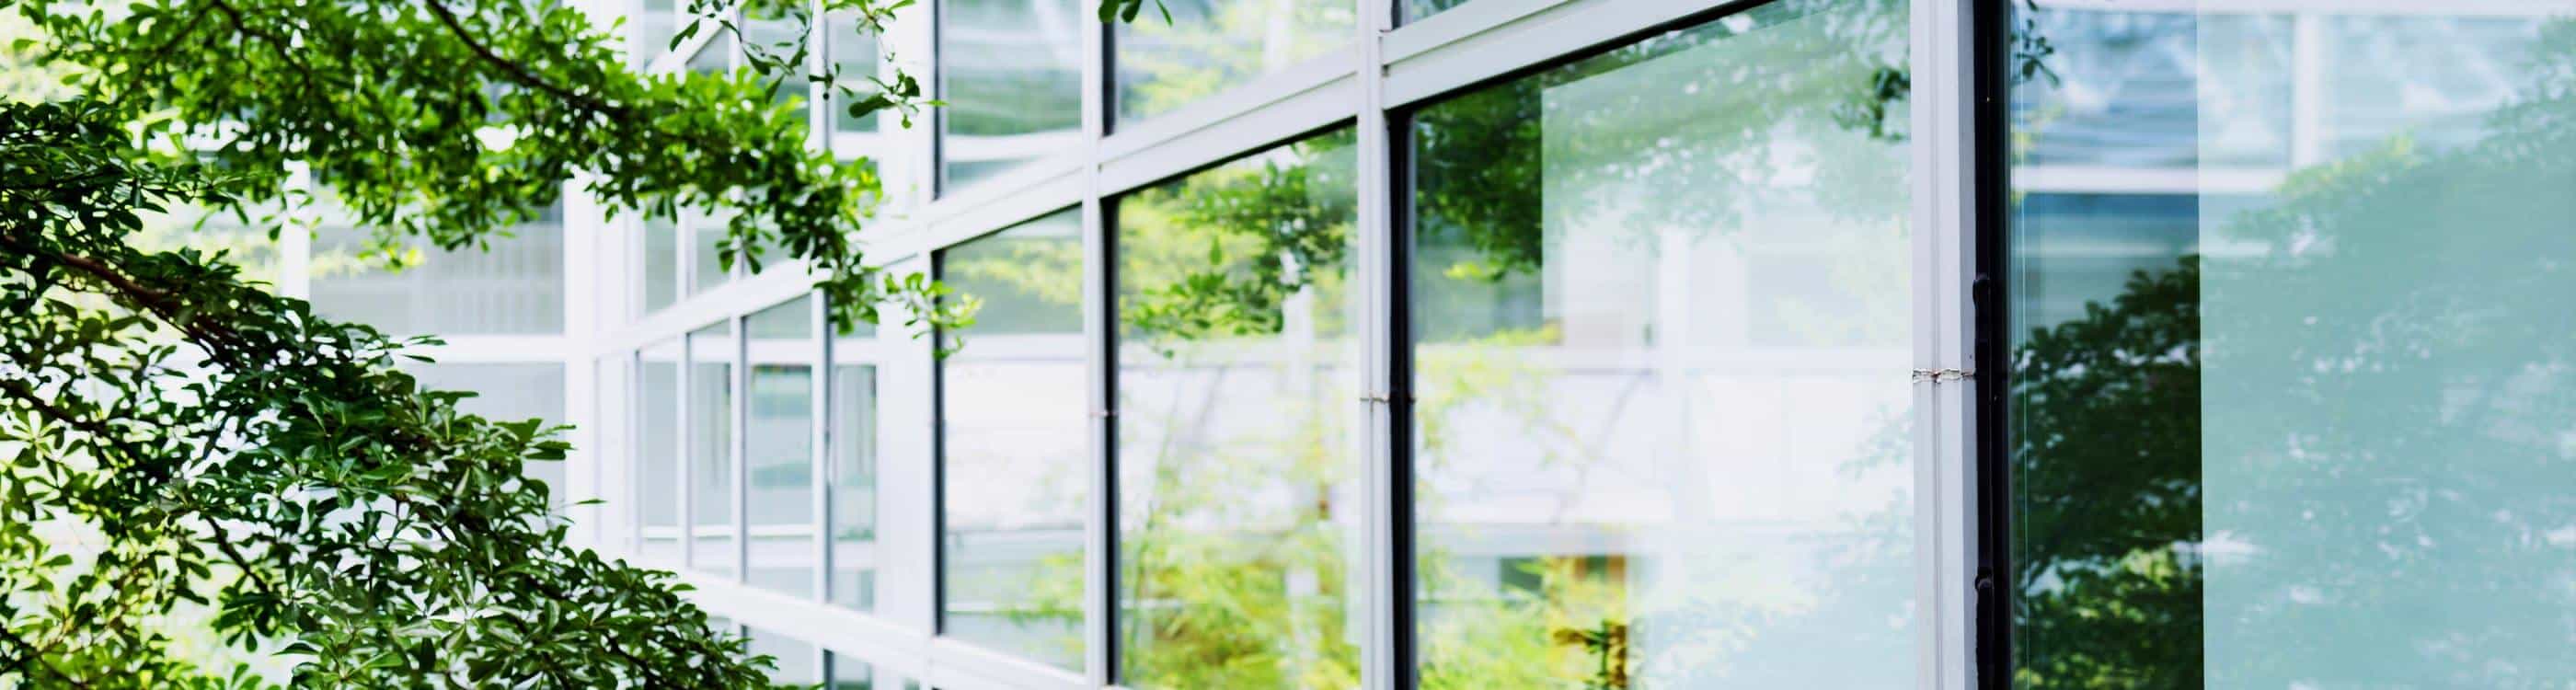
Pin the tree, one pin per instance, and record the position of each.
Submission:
(179, 436)
(182, 440)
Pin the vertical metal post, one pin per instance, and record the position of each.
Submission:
(684, 388)
(1100, 539)
(819, 446)
(1944, 229)
(1383, 594)
(740, 449)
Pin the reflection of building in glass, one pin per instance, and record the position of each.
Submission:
(1599, 344)
(2276, 350)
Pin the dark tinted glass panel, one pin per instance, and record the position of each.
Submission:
(2292, 362)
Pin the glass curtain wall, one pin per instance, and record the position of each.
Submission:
(852, 522)
(1660, 315)
(1012, 427)
(1211, 45)
(710, 420)
(779, 496)
(1237, 424)
(512, 286)
(2291, 348)
(656, 477)
(1011, 73)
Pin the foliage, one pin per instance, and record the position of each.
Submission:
(223, 447)
(448, 121)
(192, 455)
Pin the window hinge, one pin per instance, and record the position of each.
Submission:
(1942, 375)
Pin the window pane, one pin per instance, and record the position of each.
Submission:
(657, 451)
(2304, 424)
(1210, 45)
(845, 673)
(711, 487)
(704, 230)
(1012, 464)
(707, 269)
(1662, 332)
(854, 52)
(506, 392)
(651, 29)
(799, 662)
(512, 286)
(1238, 424)
(779, 447)
(1410, 11)
(779, 38)
(854, 469)
(1011, 72)
(661, 262)
(2127, 99)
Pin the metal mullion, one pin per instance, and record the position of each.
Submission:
(819, 449)
(911, 31)
(1986, 649)
(1384, 599)
(1941, 222)
(683, 389)
(818, 60)
(740, 448)
(635, 453)
(1100, 538)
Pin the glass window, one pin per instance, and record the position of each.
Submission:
(1409, 11)
(2435, 79)
(2132, 96)
(657, 451)
(800, 663)
(1011, 73)
(654, 23)
(854, 468)
(855, 55)
(1238, 424)
(1661, 331)
(1212, 44)
(2328, 407)
(661, 262)
(1012, 421)
(513, 285)
(707, 269)
(506, 392)
(710, 411)
(779, 38)
(845, 673)
(779, 447)
(705, 230)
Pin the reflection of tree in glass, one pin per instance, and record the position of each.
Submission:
(1702, 160)
(1210, 45)
(1232, 571)
(2106, 467)
(1224, 254)
(2405, 331)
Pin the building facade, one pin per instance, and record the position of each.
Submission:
(1606, 344)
